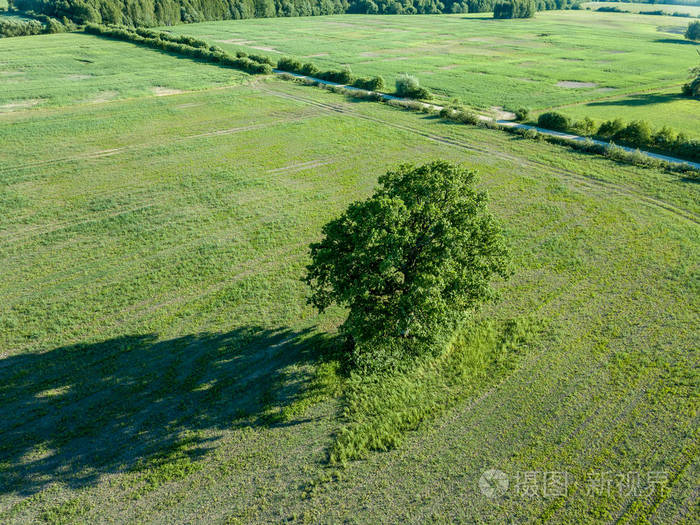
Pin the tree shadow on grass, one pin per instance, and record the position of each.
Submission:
(676, 41)
(641, 100)
(77, 412)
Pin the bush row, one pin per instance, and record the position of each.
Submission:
(183, 45)
(464, 116)
(611, 151)
(658, 12)
(339, 76)
(636, 134)
(32, 24)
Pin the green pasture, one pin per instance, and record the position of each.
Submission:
(662, 108)
(633, 7)
(159, 363)
(560, 57)
(67, 68)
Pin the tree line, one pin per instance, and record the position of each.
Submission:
(169, 12)
(184, 45)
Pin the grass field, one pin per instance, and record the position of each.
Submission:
(154, 329)
(632, 7)
(61, 69)
(663, 108)
(560, 57)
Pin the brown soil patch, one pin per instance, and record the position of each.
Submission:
(161, 91)
(19, 104)
(571, 84)
(268, 49)
(103, 96)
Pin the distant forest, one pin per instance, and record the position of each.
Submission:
(170, 12)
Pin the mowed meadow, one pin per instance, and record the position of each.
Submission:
(557, 59)
(158, 360)
(63, 69)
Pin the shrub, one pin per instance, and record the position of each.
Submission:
(262, 59)
(409, 263)
(553, 120)
(179, 45)
(340, 76)
(522, 114)
(528, 133)
(19, 27)
(409, 87)
(664, 138)
(585, 127)
(309, 69)
(464, 116)
(637, 133)
(693, 31)
(370, 84)
(289, 64)
(692, 88)
(610, 128)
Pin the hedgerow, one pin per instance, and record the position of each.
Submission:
(182, 45)
(31, 23)
(635, 134)
(292, 65)
(665, 140)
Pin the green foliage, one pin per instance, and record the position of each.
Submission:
(408, 86)
(409, 263)
(583, 37)
(637, 133)
(514, 9)
(693, 31)
(223, 244)
(292, 65)
(169, 12)
(692, 88)
(554, 120)
(32, 24)
(610, 128)
(370, 83)
(10, 27)
(459, 114)
(585, 127)
(183, 45)
(522, 114)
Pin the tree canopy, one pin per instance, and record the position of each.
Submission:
(409, 263)
(169, 12)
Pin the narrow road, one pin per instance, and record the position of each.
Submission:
(506, 123)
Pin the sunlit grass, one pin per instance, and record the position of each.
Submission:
(159, 363)
(558, 58)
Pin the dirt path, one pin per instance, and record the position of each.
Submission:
(588, 181)
(673, 160)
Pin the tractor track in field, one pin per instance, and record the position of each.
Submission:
(41, 230)
(135, 147)
(591, 182)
